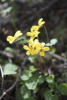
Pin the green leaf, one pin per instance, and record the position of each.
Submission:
(25, 93)
(63, 88)
(48, 44)
(31, 58)
(26, 75)
(50, 79)
(41, 79)
(10, 69)
(49, 96)
(32, 69)
(32, 83)
(53, 41)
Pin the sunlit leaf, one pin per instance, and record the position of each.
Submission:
(50, 79)
(32, 69)
(63, 88)
(32, 83)
(25, 93)
(49, 96)
(26, 75)
(10, 69)
(53, 41)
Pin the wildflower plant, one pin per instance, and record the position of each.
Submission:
(34, 46)
(31, 78)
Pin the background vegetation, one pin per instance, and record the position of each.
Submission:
(32, 77)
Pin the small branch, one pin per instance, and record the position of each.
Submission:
(2, 78)
(11, 55)
(8, 90)
(57, 56)
(7, 54)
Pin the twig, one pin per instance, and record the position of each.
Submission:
(2, 78)
(57, 57)
(9, 55)
(8, 90)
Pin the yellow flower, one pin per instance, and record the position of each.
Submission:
(43, 49)
(33, 34)
(11, 39)
(33, 47)
(41, 22)
(17, 34)
(34, 28)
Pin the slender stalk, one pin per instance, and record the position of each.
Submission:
(46, 33)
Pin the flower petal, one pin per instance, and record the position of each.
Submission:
(18, 33)
(41, 22)
(27, 53)
(26, 47)
(10, 39)
(46, 48)
(28, 33)
(42, 54)
(34, 28)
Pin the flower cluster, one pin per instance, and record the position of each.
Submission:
(34, 46)
(34, 32)
(11, 39)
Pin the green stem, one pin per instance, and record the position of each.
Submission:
(46, 33)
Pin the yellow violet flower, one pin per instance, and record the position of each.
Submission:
(33, 47)
(41, 22)
(43, 49)
(34, 28)
(17, 34)
(11, 39)
(33, 34)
